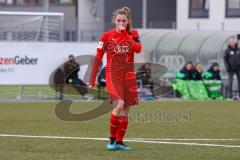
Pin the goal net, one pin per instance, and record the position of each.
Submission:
(31, 26)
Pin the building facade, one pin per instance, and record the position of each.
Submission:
(220, 15)
(85, 20)
(158, 14)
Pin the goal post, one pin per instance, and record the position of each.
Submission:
(31, 26)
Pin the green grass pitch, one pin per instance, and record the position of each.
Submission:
(158, 119)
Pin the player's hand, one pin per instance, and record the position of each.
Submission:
(122, 28)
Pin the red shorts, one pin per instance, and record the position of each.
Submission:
(122, 86)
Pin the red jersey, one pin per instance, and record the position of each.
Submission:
(120, 76)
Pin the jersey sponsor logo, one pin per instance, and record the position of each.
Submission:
(123, 47)
(100, 45)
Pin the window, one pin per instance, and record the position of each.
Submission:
(232, 8)
(198, 8)
(6, 2)
(36, 2)
(30, 2)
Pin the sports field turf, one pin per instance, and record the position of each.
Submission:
(187, 125)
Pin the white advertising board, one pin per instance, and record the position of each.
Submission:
(33, 63)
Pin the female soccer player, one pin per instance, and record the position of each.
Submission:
(119, 44)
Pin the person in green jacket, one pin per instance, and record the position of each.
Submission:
(212, 81)
(213, 73)
(198, 71)
(187, 72)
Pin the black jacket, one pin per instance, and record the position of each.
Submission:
(215, 74)
(71, 71)
(102, 77)
(144, 74)
(197, 75)
(189, 74)
(232, 59)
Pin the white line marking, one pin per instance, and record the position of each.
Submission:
(53, 137)
(129, 140)
(188, 144)
(182, 139)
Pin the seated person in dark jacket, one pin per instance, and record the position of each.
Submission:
(58, 82)
(213, 73)
(187, 72)
(198, 72)
(71, 69)
(102, 77)
(144, 74)
(102, 83)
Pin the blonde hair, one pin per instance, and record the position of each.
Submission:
(198, 66)
(123, 11)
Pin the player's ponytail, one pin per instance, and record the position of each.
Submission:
(124, 11)
(128, 10)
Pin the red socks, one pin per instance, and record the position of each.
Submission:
(122, 129)
(114, 124)
(118, 127)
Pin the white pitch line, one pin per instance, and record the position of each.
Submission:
(53, 137)
(188, 144)
(129, 140)
(182, 139)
